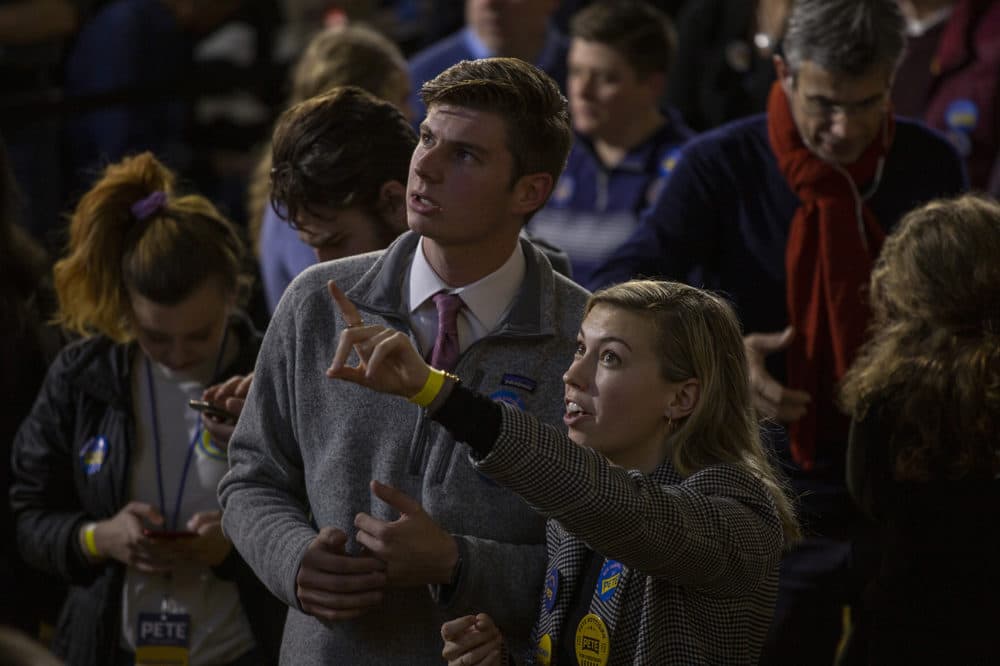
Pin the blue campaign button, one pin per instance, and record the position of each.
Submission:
(607, 582)
(93, 453)
(551, 588)
(508, 397)
(962, 115)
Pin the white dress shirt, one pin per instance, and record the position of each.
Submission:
(486, 300)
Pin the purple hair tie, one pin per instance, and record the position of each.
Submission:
(143, 208)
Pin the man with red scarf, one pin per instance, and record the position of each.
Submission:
(785, 212)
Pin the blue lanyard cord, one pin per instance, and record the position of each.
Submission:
(172, 524)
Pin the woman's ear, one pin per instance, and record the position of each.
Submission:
(392, 204)
(684, 400)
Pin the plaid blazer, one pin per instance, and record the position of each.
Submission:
(700, 555)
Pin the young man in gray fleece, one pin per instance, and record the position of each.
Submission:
(357, 510)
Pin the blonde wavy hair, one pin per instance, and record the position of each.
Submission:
(164, 257)
(932, 363)
(699, 337)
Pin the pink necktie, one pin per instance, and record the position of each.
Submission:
(444, 356)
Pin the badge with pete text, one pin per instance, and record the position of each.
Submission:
(592, 641)
(607, 582)
(543, 655)
(163, 639)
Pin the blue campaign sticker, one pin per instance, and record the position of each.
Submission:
(93, 453)
(207, 448)
(508, 397)
(517, 381)
(670, 161)
(607, 582)
(563, 190)
(962, 115)
(551, 588)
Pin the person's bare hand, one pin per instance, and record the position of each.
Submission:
(415, 548)
(231, 396)
(332, 585)
(770, 397)
(388, 361)
(210, 547)
(121, 538)
(473, 640)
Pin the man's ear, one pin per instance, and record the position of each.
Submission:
(392, 204)
(684, 400)
(531, 192)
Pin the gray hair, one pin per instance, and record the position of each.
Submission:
(845, 36)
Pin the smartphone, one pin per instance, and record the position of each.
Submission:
(213, 410)
(168, 534)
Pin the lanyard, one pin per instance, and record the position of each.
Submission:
(172, 524)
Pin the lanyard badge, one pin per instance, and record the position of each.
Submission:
(163, 639)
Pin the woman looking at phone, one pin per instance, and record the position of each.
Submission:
(667, 521)
(114, 477)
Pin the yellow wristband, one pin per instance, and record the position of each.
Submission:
(88, 538)
(426, 395)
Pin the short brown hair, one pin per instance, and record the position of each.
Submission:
(641, 33)
(529, 101)
(340, 56)
(337, 150)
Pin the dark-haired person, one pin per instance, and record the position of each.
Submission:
(923, 455)
(786, 212)
(340, 192)
(625, 143)
(111, 458)
(351, 55)
(356, 510)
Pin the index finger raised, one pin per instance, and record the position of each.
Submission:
(350, 313)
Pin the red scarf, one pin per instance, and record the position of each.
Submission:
(827, 267)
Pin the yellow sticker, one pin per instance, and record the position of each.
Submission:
(543, 655)
(592, 641)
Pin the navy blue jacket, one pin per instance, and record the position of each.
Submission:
(722, 219)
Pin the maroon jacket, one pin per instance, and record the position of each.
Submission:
(963, 100)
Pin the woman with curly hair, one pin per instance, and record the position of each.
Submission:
(924, 451)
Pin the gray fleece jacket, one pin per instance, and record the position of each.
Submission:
(306, 443)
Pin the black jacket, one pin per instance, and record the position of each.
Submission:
(87, 392)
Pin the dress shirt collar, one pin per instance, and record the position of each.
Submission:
(488, 299)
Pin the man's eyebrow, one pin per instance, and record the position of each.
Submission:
(467, 145)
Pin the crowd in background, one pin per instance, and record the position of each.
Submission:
(169, 167)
